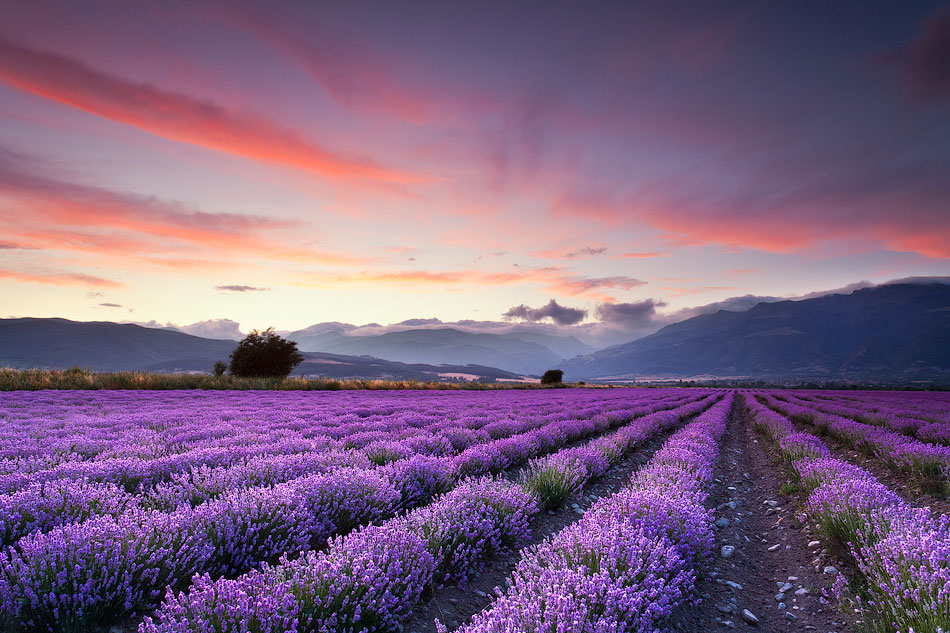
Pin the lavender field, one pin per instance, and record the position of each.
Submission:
(553, 510)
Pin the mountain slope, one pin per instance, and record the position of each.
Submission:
(106, 346)
(101, 345)
(515, 351)
(891, 331)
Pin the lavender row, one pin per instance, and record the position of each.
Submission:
(928, 464)
(370, 580)
(47, 505)
(103, 425)
(927, 421)
(898, 419)
(148, 465)
(931, 406)
(900, 554)
(631, 559)
(80, 571)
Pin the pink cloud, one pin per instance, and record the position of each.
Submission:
(69, 216)
(786, 206)
(59, 279)
(178, 117)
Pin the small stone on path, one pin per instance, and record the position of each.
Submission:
(749, 617)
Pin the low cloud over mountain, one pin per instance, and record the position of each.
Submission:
(559, 314)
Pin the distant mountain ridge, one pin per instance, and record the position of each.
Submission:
(101, 345)
(516, 351)
(106, 346)
(899, 331)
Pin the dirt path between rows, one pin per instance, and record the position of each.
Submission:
(899, 483)
(454, 606)
(771, 550)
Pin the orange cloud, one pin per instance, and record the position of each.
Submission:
(59, 279)
(176, 116)
(108, 221)
(799, 221)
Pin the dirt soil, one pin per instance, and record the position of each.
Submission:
(454, 606)
(898, 483)
(771, 549)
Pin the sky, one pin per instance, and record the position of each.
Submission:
(288, 163)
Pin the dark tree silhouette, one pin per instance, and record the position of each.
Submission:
(264, 355)
(219, 368)
(552, 377)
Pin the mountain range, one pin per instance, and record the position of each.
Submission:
(519, 351)
(892, 331)
(897, 331)
(107, 346)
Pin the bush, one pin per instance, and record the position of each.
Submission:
(265, 354)
(219, 368)
(552, 377)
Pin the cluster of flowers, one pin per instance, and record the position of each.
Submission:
(370, 579)
(150, 441)
(928, 464)
(46, 503)
(902, 553)
(925, 416)
(925, 405)
(633, 556)
(889, 418)
(103, 568)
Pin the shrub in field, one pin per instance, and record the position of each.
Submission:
(476, 519)
(554, 480)
(600, 577)
(264, 354)
(345, 499)
(430, 444)
(420, 478)
(938, 432)
(247, 527)
(383, 452)
(480, 459)
(797, 446)
(815, 472)
(844, 509)
(46, 505)
(909, 568)
(552, 377)
(928, 465)
(462, 438)
(610, 448)
(78, 576)
(365, 582)
(243, 605)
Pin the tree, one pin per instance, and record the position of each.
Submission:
(264, 354)
(219, 368)
(552, 377)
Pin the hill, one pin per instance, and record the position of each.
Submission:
(519, 352)
(890, 332)
(107, 346)
(103, 346)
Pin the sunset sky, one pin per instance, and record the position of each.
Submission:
(289, 163)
